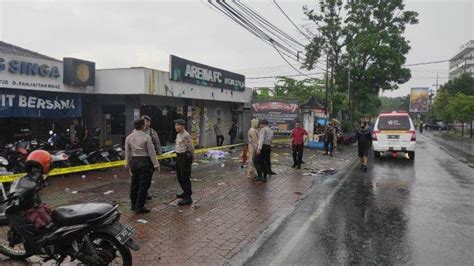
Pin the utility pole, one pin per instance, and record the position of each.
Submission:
(349, 89)
(327, 85)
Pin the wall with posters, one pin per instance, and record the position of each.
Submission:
(281, 115)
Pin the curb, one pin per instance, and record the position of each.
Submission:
(246, 253)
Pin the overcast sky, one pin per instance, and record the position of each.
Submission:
(144, 33)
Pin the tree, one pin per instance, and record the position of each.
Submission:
(368, 37)
(440, 104)
(463, 84)
(461, 108)
(388, 104)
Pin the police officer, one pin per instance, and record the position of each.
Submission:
(154, 138)
(140, 159)
(185, 157)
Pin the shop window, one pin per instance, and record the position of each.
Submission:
(115, 119)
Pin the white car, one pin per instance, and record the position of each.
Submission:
(394, 132)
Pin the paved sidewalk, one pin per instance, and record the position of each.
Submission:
(229, 213)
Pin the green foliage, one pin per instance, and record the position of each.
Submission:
(368, 36)
(388, 104)
(461, 107)
(440, 104)
(463, 84)
(288, 88)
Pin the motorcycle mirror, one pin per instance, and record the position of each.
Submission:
(60, 157)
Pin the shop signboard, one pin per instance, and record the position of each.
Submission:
(18, 72)
(419, 100)
(281, 115)
(23, 103)
(183, 70)
(79, 72)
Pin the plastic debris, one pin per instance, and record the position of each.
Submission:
(214, 154)
(67, 189)
(180, 211)
(74, 192)
(198, 220)
(195, 164)
(221, 184)
(142, 221)
(108, 192)
(222, 165)
(235, 158)
(115, 176)
(83, 176)
(196, 179)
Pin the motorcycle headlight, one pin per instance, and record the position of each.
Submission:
(3, 161)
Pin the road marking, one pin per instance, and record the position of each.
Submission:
(290, 245)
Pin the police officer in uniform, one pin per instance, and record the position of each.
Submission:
(140, 159)
(185, 157)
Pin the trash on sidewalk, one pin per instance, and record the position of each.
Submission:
(221, 184)
(180, 211)
(195, 164)
(329, 171)
(142, 221)
(83, 176)
(196, 179)
(67, 189)
(108, 192)
(74, 192)
(198, 220)
(215, 154)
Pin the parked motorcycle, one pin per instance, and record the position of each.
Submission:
(90, 233)
(116, 153)
(169, 162)
(345, 139)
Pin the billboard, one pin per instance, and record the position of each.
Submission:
(419, 100)
(281, 115)
(183, 70)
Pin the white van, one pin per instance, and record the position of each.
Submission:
(394, 132)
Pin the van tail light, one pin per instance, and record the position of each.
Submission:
(374, 134)
(413, 135)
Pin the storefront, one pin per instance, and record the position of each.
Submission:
(314, 118)
(197, 93)
(39, 93)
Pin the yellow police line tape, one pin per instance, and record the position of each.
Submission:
(97, 166)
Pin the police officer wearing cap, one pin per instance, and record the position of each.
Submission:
(185, 157)
(140, 159)
(154, 138)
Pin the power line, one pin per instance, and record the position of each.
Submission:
(293, 75)
(282, 11)
(297, 70)
(427, 63)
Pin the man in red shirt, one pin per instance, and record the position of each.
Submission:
(298, 137)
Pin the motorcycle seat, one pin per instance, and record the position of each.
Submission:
(79, 213)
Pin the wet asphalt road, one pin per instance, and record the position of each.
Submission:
(399, 212)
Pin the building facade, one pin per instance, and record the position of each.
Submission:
(39, 93)
(463, 61)
(36, 92)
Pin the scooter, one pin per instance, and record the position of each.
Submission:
(116, 153)
(90, 233)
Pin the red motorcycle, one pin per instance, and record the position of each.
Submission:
(345, 139)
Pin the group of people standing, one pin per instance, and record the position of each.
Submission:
(141, 148)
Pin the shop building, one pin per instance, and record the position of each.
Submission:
(39, 93)
(192, 92)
